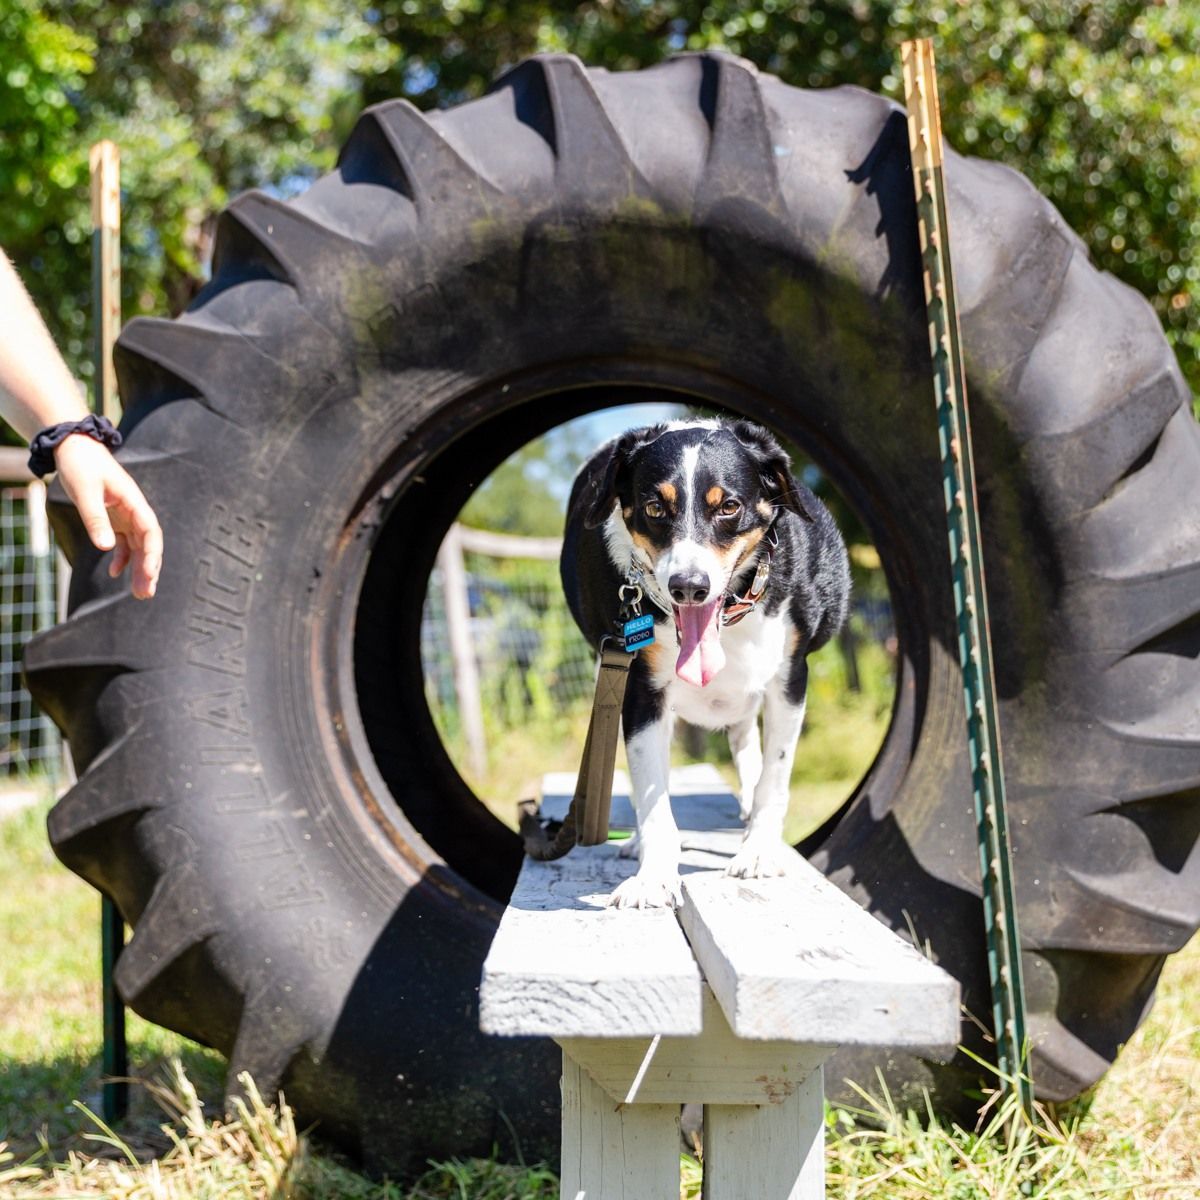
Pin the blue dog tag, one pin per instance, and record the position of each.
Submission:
(638, 632)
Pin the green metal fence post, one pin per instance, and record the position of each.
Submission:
(966, 556)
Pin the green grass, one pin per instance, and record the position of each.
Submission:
(1137, 1137)
(843, 731)
(50, 1033)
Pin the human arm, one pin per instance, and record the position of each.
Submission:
(36, 391)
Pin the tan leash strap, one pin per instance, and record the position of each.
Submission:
(586, 822)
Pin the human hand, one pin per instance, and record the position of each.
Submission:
(115, 514)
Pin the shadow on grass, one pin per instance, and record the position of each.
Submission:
(180, 1152)
(38, 1097)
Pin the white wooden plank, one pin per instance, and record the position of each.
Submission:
(700, 799)
(564, 964)
(775, 1152)
(713, 1068)
(612, 1151)
(795, 959)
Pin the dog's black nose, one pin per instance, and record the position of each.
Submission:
(689, 587)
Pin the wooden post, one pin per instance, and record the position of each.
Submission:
(615, 1151)
(105, 163)
(770, 1151)
(462, 651)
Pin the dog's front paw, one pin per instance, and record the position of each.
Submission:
(760, 858)
(649, 888)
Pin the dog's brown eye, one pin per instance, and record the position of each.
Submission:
(730, 508)
(654, 510)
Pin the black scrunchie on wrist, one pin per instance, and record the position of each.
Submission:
(41, 449)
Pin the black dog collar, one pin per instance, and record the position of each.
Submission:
(737, 607)
(41, 449)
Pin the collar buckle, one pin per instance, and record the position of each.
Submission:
(737, 607)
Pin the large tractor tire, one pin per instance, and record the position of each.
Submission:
(311, 885)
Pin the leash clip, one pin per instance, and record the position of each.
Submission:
(636, 630)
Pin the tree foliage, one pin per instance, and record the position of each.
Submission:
(204, 100)
(43, 162)
(526, 493)
(1095, 100)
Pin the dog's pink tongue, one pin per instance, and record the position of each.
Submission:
(700, 653)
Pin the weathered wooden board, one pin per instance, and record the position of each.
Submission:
(789, 959)
(794, 959)
(714, 1068)
(793, 968)
(564, 964)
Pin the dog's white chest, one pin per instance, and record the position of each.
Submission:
(755, 652)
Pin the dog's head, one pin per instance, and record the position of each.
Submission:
(696, 499)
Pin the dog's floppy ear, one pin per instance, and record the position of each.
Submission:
(604, 477)
(775, 468)
(602, 482)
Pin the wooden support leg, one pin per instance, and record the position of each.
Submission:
(613, 1151)
(769, 1152)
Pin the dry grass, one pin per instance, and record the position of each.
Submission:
(1145, 1114)
(1137, 1137)
(257, 1154)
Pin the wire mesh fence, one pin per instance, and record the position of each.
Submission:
(529, 662)
(499, 649)
(28, 603)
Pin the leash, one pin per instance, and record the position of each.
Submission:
(586, 822)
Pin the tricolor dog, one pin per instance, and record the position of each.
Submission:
(746, 574)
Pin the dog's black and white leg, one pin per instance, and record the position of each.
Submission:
(763, 852)
(648, 723)
(746, 748)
